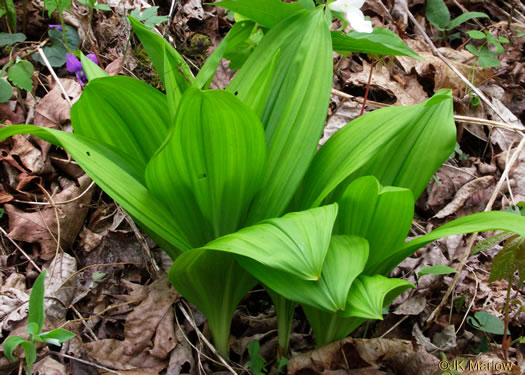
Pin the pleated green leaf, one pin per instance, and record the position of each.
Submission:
(108, 112)
(210, 167)
(215, 283)
(345, 260)
(268, 13)
(380, 41)
(239, 32)
(382, 215)
(294, 104)
(172, 69)
(114, 172)
(329, 326)
(483, 221)
(296, 243)
(401, 146)
(370, 294)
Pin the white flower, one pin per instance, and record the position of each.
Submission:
(353, 14)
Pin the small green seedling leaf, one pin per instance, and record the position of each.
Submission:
(32, 329)
(283, 362)
(36, 303)
(472, 49)
(103, 7)
(486, 322)
(436, 270)
(149, 17)
(6, 90)
(256, 362)
(475, 34)
(437, 14)
(20, 74)
(30, 352)
(97, 276)
(10, 345)
(459, 302)
(464, 18)
(56, 336)
(61, 5)
(7, 39)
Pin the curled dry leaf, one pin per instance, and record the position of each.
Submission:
(467, 191)
(516, 174)
(405, 92)
(149, 334)
(41, 226)
(433, 67)
(59, 286)
(13, 302)
(181, 357)
(412, 306)
(356, 353)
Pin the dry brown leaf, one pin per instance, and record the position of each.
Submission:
(41, 227)
(49, 366)
(409, 93)
(31, 158)
(112, 353)
(59, 286)
(466, 192)
(433, 66)
(417, 363)
(146, 318)
(412, 306)
(53, 111)
(181, 357)
(13, 302)
(356, 353)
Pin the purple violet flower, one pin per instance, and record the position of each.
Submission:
(73, 65)
(58, 27)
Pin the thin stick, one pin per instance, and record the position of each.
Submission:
(52, 71)
(170, 16)
(22, 251)
(57, 203)
(87, 363)
(472, 239)
(367, 88)
(452, 67)
(205, 340)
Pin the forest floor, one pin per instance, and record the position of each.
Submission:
(128, 319)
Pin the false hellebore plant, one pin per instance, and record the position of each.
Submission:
(230, 182)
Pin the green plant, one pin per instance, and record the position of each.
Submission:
(485, 57)
(94, 5)
(256, 362)
(20, 74)
(35, 321)
(231, 185)
(149, 17)
(7, 9)
(62, 40)
(438, 15)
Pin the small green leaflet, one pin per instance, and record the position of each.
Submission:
(20, 74)
(436, 270)
(7, 39)
(487, 323)
(6, 91)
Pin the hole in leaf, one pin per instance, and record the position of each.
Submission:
(87, 153)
